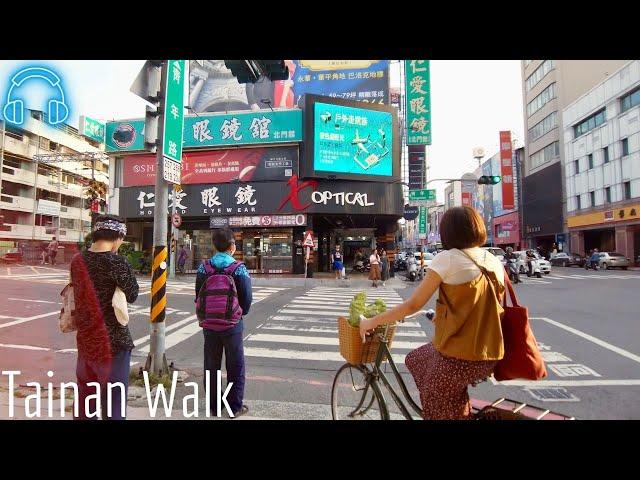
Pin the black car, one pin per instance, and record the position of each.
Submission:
(563, 259)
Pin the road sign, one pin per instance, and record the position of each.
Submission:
(421, 195)
(308, 239)
(422, 224)
(176, 220)
(90, 128)
(171, 170)
(410, 212)
(174, 111)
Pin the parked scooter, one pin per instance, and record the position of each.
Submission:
(512, 269)
(358, 266)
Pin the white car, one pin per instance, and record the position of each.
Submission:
(545, 265)
(427, 259)
(498, 252)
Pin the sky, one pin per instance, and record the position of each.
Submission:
(471, 101)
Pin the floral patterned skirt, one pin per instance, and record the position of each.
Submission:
(443, 381)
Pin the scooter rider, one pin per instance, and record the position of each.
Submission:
(530, 256)
(594, 258)
(512, 256)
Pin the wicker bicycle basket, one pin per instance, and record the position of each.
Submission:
(351, 347)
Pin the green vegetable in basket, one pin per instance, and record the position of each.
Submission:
(358, 308)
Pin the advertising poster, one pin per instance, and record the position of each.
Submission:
(213, 88)
(418, 101)
(352, 141)
(218, 166)
(506, 170)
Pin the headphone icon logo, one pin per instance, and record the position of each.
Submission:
(14, 109)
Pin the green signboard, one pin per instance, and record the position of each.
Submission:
(124, 136)
(418, 107)
(91, 128)
(422, 224)
(352, 140)
(422, 195)
(215, 130)
(174, 111)
(243, 128)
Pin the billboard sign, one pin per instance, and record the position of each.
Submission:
(417, 165)
(124, 136)
(92, 129)
(506, 170)
(418, 101)
(215, 89)
(346, 140)
(218, 166)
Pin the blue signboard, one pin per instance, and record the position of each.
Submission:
(354, 141)
(359, 80)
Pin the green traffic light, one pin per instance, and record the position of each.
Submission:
(495, 179)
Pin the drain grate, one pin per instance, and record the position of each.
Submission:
(555, 394)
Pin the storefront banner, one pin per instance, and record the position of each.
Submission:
(506, 170)
(270, 198)
(243, 128)
(215, 89)
(618, 215)
(466, 199)
(124, 136)
(262, 221)
(418, 101)
(218, 166)
(507, 228)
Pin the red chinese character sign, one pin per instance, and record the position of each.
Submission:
(506, 170)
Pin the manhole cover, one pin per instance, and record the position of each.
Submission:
(555, 394)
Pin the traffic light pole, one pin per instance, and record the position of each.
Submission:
(157, 360)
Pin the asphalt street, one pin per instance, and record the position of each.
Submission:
(585, 322)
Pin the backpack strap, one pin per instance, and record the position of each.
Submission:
(230, 270)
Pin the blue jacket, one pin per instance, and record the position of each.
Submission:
(241, 278)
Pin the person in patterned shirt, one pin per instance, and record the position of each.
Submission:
(104, 345)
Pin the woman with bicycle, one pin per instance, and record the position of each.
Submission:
(468, 337)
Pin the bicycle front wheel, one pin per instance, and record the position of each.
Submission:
(354, 397)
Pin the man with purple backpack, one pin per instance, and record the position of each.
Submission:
(223, 296)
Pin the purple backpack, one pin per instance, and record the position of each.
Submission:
(217, 305)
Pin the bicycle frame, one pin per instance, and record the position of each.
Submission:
(375, 373)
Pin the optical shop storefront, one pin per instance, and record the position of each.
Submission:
(268, 218)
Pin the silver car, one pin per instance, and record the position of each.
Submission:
(545, 265)
(613, 260)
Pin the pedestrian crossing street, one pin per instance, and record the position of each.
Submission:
(306, 331)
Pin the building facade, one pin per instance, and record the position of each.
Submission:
(254, 183)
(548, 86)
(40, 201)
(602, 165)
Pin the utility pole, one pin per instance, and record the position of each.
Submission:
(157, 360)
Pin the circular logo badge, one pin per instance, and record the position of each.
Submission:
(124, 135)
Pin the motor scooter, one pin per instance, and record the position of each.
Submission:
(534, 270)
(412, 269)
(591, 264)
(358, 266)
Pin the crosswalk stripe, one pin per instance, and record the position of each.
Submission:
(285, 354)
(322, 329)
(310, 341)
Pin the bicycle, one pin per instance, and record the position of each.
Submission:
(363, 381)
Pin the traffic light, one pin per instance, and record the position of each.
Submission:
(249, 71)
(489, 179)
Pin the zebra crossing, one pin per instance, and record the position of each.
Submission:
(305, 330)
(182, 329)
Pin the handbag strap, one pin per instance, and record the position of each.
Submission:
(484, 271)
